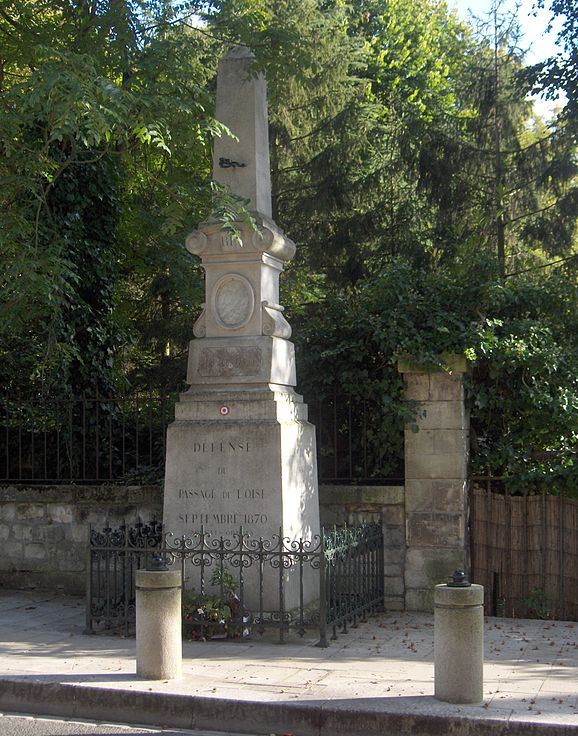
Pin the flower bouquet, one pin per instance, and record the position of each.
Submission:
(216, 616)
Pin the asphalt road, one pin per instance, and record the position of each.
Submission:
(28, 725)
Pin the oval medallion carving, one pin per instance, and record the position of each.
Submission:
(233, 301)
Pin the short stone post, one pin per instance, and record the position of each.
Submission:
(459, 641)
(159, 648)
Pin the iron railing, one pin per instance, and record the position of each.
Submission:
(85, 440)
(351, 447)
(242, 584)
(122, 439)
(354, 582)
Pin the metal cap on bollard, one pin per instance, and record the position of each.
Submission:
(458, 580)
(158, 563)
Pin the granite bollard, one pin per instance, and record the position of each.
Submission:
(159, 648)
(459, 642)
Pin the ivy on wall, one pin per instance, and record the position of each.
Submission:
(519, 338)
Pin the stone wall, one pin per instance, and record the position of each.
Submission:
(43, 529)
(356, 504)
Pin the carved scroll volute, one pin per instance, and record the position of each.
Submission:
(196, 242)
(265, 237)
(271, 239)
(274, 323)
(199, 328)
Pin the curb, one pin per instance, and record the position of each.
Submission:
(312, 718)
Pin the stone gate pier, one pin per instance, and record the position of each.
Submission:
(436, 480)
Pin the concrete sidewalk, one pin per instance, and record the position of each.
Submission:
(377, 678)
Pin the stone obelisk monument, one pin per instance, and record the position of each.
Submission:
(241, 452)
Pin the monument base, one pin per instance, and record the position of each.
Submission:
(245, 458)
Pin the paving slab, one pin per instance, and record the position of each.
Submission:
(377, 678)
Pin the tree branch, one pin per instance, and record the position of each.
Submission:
(574, 256)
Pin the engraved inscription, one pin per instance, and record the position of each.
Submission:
(250, 493)
(221, 496)
(230, 361)
(198, 503)
(225, 447)
(245, 494)
(223, 518)
(231, 241)
(196, 493)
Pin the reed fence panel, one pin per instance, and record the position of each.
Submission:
(524, 551)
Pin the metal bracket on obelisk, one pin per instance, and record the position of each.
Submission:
(242, 165)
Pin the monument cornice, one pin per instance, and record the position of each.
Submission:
(265, 236)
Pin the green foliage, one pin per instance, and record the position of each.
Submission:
(91, 185)
(365, 168)
(559, 74)
(222, 579)
(519, 338)
(525, 170)
(427, 201)
(538, 604)
(210, 615)
(352, 341)
(524, 388)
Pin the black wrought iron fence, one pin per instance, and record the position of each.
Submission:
(351, 447)
(122, 439)
(353, 574)
(242, 585)
(85, 440)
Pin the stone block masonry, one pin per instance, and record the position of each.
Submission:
(44, 530)
(353, 505)
(436, 481)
